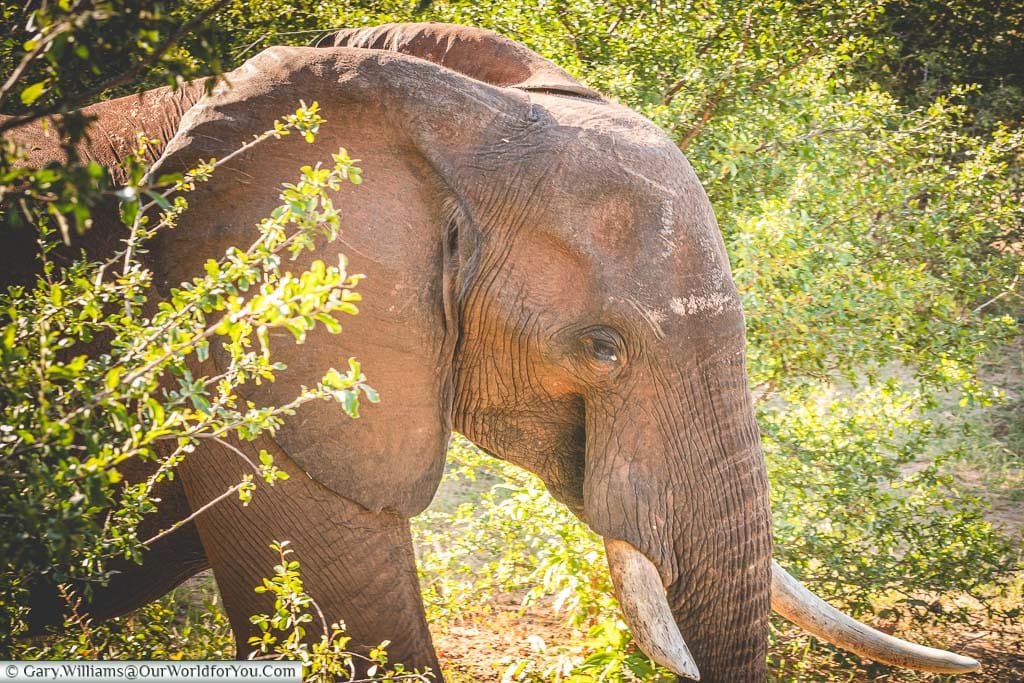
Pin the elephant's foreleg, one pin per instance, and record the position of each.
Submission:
(357, 565)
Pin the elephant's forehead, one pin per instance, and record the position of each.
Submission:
(627, 176)
(610, 135)
(661, 248)
(660, 263)
(626, 200)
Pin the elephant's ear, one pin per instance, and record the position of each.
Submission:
(413, 124)
(477, 53)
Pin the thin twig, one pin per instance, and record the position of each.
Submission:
(571, 31)
(814, 134)
(672, 91)
(710, 104)
(324, 31)
(57, 29)
(234, 449)
(1009, 290)
(182, 522)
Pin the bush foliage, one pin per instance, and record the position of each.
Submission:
(102, 373)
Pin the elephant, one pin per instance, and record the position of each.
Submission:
(545, 275)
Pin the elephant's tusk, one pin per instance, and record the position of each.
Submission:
(795, 602)
(645, 608)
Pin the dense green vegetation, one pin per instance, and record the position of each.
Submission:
(865, 163)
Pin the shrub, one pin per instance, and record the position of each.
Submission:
(98, 373)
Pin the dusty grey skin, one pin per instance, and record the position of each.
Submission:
(545, 275)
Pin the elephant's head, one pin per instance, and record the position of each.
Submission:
(551, 281)
(603, 349)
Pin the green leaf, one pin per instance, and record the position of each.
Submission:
(113, 377)
(34, 92)
(129, 211)
(160, 200)
(332, 325)
(201, 404)
(350, 403)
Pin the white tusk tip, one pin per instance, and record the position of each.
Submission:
(965, 664)
(686, 672)
(680, 662)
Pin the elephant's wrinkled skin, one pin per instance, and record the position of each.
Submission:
(544, 274)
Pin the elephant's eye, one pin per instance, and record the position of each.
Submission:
(604, 351)
(603, 346)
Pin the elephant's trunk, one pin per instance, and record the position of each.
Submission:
(682, 481)
(721, 599)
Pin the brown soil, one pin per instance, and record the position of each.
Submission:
(482, 649)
